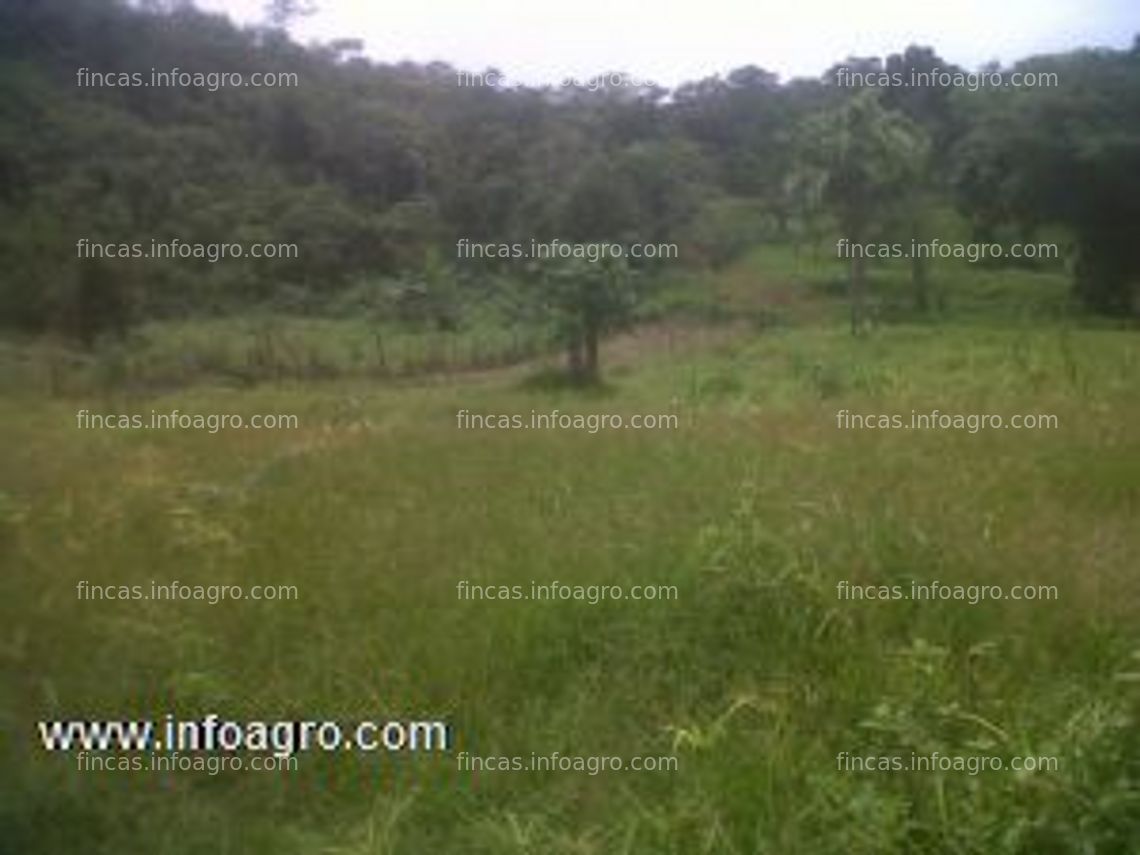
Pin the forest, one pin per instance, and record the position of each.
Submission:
(375, 172)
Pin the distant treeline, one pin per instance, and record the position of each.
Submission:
(376, 171)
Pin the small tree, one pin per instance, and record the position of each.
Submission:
(589, 298)
(441, 291)
(871, 158)
(802, 199)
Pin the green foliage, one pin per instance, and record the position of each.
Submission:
(368, 168)
(725, 229)
(869, 155)
(862, 162)
(589, 298)
(1068, 155)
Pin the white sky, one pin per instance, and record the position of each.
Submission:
(671, 41)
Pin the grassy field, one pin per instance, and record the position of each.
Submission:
(755, 677)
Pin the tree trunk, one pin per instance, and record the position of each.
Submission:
(920, 284)
(781, 223)
(591, 371)
(857, 270)
(857, 288)
(574, 358)
(919, 280)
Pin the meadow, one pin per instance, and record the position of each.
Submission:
(756, 677)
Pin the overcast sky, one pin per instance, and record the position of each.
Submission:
(671, 41)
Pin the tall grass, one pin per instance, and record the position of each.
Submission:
(756, 677)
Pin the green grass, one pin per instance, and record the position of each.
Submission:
(756, 677)
(243, 351)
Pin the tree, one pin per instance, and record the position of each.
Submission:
(1070, 156)
(925, 95)
(870, 157)
(589, 298)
